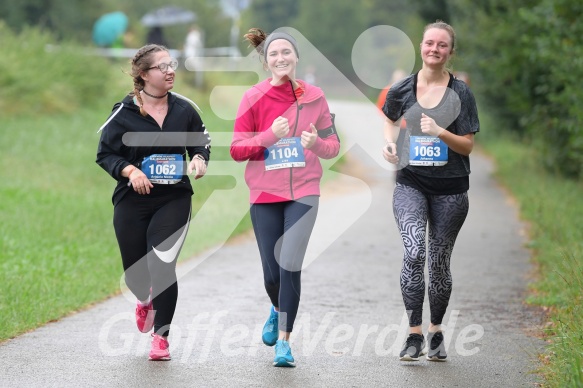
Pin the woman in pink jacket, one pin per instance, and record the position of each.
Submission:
(283, 128)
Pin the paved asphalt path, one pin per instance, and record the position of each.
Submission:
(351, 321)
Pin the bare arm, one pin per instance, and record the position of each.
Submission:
(462, 144)
(391, 133)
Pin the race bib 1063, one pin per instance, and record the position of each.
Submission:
(163, 168)
(287, 152)
(427, 151)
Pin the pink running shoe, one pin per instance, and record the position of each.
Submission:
(145, 317)
(159, 351)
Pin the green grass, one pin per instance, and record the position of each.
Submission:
(553, 208)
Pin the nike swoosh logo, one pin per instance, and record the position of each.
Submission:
(169, 255)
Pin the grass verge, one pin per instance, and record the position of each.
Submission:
(553, 207)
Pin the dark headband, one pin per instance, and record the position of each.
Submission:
(279, 35)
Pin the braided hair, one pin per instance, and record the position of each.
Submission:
(140, 62)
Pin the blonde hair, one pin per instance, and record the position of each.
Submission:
(140, 63)
(443, 26)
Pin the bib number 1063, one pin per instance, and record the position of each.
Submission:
(427, 151)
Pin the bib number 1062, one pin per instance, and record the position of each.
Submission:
(162, 169)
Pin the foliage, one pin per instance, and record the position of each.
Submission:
(74, 19)
(327, 30)
(39, 77)
(556, 116)
(433, 10)
(331, 26)
(270, 15)
(526, 68)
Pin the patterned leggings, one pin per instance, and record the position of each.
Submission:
(442, 216)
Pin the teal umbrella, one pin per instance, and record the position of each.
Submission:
(109, 27)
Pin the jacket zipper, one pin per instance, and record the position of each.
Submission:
(291, 187)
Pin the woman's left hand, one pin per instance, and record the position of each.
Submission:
(198, 166)
(308, 139)
(429, 127)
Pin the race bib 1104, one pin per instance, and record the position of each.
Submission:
(287, 152)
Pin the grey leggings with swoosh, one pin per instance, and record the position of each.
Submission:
(438, 218)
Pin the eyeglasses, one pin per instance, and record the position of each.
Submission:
(163, 67)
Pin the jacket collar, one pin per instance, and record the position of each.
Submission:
(285, 93)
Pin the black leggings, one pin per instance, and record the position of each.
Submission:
(282, 231)
(443, 216)
(143, 224)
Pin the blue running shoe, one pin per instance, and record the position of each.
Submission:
(271, 329)
(283, 356)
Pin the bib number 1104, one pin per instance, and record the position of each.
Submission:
(282, 153)
(287, 152)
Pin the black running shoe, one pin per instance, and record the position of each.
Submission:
(436, 347)
(413, 347)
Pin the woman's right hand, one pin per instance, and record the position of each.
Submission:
(390, 153)
(140, 182)
(280, 127)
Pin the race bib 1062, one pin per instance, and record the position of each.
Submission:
(287, 152)
(163, 168)
(427, 151)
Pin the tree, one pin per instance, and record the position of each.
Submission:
(333, 27)
(432, 10)
(270, 15)
(520, 55)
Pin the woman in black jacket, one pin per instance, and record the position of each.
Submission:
(144, 145)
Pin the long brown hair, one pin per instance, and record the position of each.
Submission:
(256, 37)
(140, 63)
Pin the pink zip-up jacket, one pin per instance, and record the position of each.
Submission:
(259, 107)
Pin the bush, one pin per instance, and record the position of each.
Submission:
(39, 77)
(528, 69)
